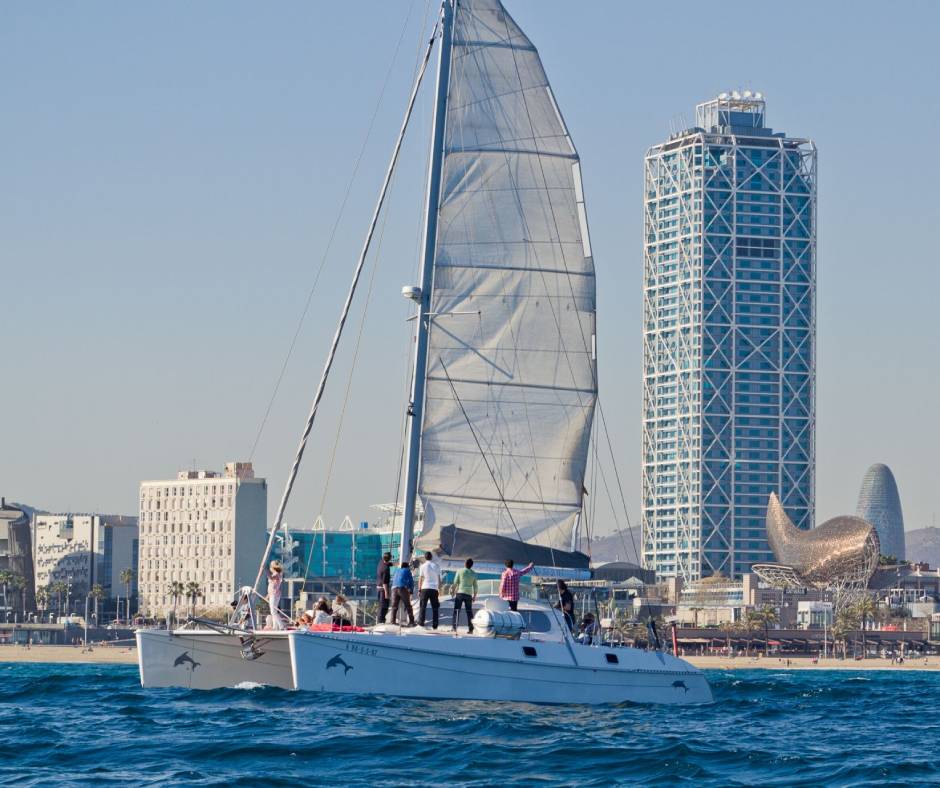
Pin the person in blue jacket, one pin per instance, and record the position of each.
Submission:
(403, 585)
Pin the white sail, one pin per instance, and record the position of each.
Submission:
(513, 301)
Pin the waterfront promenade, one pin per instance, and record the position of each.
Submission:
(127, 655)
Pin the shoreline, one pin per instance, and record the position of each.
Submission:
(807, 663)
(65, 655)
(127, 655)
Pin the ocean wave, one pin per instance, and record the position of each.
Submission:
(79, 725)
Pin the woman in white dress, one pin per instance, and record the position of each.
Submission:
(275, 579)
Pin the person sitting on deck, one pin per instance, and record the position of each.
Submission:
(403, 583)
(322, 613)
(589, 630)
(509, 583)
(342, 614)
(465, 593)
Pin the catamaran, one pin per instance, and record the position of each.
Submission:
(503, 392)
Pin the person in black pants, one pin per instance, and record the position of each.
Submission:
(566, 603)
(465, 591)
(383, 581)
(429, 583)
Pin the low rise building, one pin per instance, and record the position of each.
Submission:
(83, 551)
(711, 601)
(914, 586)
(350, 551)
(202, 527)
(16, 558)
(814, 614)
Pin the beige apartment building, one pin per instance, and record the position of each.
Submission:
(85, 550)
(202, 526)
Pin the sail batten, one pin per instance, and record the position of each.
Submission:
(516, 376)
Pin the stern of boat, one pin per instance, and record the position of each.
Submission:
(207, 659)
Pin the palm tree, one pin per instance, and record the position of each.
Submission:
(766, 616)
(192, 592)
(865, 609)
(729, 628)
(19, 584)
(6, 578)
(846, 623)
(175, 589)
(97, 593)
(127, 577)
(43, 594)
(58, 588)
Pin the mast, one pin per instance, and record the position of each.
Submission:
(416, 408)
(344, 314)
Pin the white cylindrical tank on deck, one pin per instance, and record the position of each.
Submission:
(499, 623)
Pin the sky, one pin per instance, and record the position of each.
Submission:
(171, 174)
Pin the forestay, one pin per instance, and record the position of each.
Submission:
(513, 305)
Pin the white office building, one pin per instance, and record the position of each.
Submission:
(85, 550)
(204, 527)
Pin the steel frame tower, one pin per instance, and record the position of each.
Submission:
(728, 339)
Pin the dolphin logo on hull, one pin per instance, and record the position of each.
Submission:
(679, 684)
(337, 661)
(183, 658)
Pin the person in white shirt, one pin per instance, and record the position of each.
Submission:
(323, 614)
(429, 584)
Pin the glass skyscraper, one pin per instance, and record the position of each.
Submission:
(880, 504)
(729, 339)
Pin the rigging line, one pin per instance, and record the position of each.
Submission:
(528, 421)
(419, 232)
(483, 455)
(403, 432)
(475, 55)
(329, 243)
(415, 272)
(613, 461)
(564, 261)
(592, 504)
(355, 358)
(349, 378)
(574, 299)
(292, 476)
(556, 239)
(610, 498)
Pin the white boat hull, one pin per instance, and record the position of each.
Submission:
(206, 659)
(477, 668)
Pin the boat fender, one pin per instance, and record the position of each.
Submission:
(499, 623)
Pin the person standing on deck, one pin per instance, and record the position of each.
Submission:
(275, 578)
(566, 603)
(429, 584)
(403, 583)
(509, 583)
(383, 583)
(465, 593)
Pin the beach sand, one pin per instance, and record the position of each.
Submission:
(806, 663)
(124, 655)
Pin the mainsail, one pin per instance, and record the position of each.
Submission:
(511, 365)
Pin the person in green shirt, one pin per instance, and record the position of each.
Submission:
(465, 593)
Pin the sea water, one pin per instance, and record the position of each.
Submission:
(95, 725)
